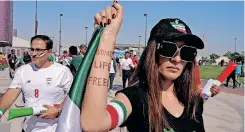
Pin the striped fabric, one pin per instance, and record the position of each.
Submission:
(118, 113)
(69, 120)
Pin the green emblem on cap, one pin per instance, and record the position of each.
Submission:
(177, 21)
(178, 26)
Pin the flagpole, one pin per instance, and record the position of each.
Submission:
(36, 19)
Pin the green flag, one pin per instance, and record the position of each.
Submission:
(69, 120)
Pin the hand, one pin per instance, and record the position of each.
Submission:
(111, 18)
(214, 90)
(131, 65)
(120, 74)
(51, 113)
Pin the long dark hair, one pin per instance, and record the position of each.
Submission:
(147, 76)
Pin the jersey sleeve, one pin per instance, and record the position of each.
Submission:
(67, 80)
(17, 81)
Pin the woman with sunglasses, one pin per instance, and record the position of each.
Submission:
(162, 96)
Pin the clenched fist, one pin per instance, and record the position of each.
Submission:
(111, 18)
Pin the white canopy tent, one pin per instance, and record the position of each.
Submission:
(20, 43)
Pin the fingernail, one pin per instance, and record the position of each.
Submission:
(113, 16)
(109, 21)
(101, 24)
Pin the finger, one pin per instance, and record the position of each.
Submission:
(108, 14)
(119, 9)
(215, 88)
(214, 92)
(47, 117)
(42, 116)
(97, 20)
(95, 24)
(103, 16)
(46, 106)
(113, 12)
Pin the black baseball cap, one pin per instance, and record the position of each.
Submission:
(175, 29)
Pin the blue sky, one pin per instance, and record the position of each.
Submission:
(219, 21)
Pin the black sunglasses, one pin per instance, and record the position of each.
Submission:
(169, 49)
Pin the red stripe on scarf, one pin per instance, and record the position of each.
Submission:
(114, 116)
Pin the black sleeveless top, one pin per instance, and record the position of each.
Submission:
(138, 119)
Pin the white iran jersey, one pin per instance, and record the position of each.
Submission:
(45, 86)
(126, 63)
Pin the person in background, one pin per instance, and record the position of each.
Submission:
(231, 76)
(126, 66)
(83, 49)
(74, 64)
(73, 51)
(222, 63)
(133, 57)
(118, 61)
(47, 85)
(238, 71)
(113, 70)
(3, 62)
(242, 72)
(12, 60)
(200, 62)
(65, 58)
(26, 57)
(76, 61)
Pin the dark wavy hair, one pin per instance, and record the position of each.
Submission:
(147, 77)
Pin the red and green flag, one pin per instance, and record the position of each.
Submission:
(69, 120)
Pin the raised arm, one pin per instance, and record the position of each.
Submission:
(94, 115)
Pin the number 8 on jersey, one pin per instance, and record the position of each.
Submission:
(36, 93)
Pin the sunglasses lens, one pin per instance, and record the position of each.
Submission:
(167, 50)
(188, 53)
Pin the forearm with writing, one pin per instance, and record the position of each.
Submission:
(95, 99)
